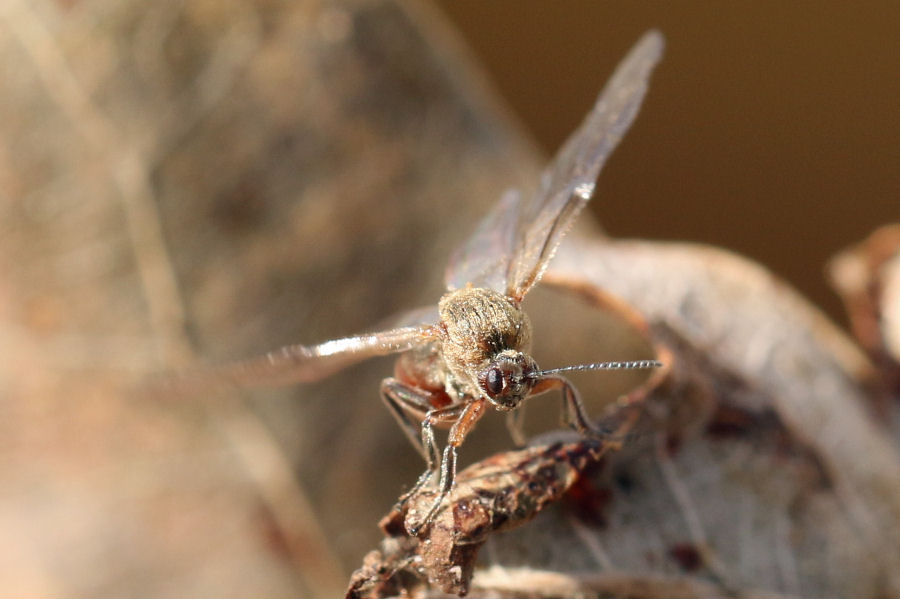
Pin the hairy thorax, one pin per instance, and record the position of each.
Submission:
(479, 324)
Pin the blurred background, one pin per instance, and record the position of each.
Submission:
(772, 129)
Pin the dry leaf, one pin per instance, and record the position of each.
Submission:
(867, 276)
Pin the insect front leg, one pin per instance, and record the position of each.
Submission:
(467, 419)
(574, 415)
(448, 414)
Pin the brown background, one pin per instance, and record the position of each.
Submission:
(770, 129)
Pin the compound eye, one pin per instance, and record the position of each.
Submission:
(493, 381)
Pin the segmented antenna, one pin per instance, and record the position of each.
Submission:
(633, 365)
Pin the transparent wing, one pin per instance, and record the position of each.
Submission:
(568, 183)
(297, 363)
(484, 260)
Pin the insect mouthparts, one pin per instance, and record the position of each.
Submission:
(633, 365)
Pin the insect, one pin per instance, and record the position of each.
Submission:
(473, 354)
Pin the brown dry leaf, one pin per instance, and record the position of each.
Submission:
(771, 473)
(499, 493)
(867, 276)
(762, 472)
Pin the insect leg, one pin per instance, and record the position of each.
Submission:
(467, 419)
(574, 415)
(514, 420)
(407, 404)
(428, 441)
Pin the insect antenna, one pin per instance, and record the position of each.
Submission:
(633, 365)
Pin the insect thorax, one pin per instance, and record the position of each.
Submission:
(480, 323)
